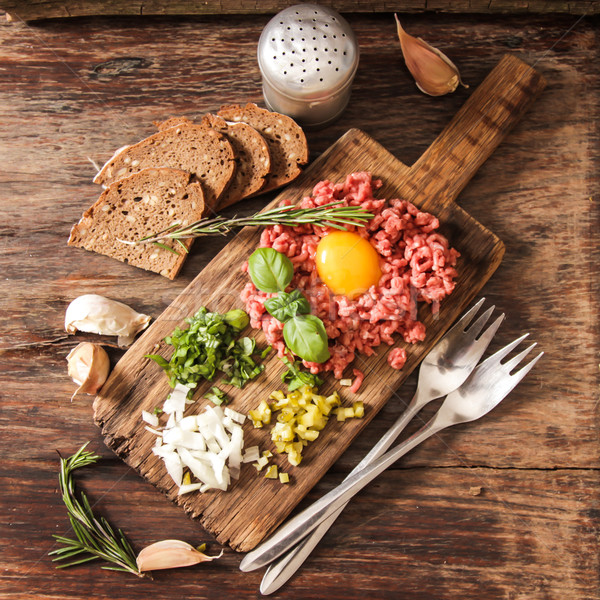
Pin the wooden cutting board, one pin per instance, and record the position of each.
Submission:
(253, 507)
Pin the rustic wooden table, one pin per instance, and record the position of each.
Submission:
(77, 89)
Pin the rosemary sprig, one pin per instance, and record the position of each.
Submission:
(95, 537)
(327, 215)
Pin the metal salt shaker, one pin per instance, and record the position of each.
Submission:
(308, 56)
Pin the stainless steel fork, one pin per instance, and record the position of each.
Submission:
(444, 369)
(484, 389)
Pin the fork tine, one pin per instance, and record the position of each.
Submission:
(522, 372)
(495, 359)
(468, 316)
(478, 346)
(486, 337)
(475, 329)
(513, 362)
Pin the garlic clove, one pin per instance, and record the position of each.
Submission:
(88, 367)
(435, 74)
(170, 554)
(96, 314)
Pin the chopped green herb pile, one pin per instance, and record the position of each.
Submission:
(295, 377)
(209, 345)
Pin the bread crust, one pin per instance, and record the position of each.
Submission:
(198, 149)
(253, 159)
(135, 206)
(285, 139)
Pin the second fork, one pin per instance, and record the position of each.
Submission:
(444, 369)
(487, 385)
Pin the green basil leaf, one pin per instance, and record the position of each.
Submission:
(270, 270)
(276, 307)
(159, 360)
(284, 306)
(306, 337)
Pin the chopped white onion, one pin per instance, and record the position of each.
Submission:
(175, 401)
(201, 470)
(150, 418)
(188, 423)
(235, 416)
(235, 452)
(210, 445)
(174, 467)
(151, 430)
(163, 449)
(170, 422)
(186, 439)
(251, 454)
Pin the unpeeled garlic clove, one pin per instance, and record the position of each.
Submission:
(170, 554)
(96, 314)
(435, 74)
(88, 367)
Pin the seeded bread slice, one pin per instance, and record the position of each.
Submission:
(197, 149)
(135, 206)
(172, 122)
(284, 137)
(253, 159)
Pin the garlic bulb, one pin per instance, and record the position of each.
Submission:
(97, 314)
(170, 554)
(435, 74)
(88, 367)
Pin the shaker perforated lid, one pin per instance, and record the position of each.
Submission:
(308, 51)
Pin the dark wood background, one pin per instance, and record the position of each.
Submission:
(28, 10)
(77, 89)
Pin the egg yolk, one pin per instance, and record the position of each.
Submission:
(347, 263)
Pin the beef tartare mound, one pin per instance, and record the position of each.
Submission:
(416, 265)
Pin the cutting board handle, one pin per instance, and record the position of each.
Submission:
(474, 133)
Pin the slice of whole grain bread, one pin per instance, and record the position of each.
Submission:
(253, 159)
(197, 149)
(285, 139)
(172, 122)
(134, 207)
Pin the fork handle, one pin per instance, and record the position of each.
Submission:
(310, 518)
(281, 570)
(419, 400)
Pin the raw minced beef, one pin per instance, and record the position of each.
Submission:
(417, 265)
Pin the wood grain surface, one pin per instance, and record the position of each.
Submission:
(77, 89)
(30, 10)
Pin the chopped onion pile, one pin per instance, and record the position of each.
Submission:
(210, 444)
